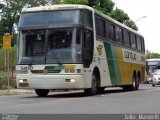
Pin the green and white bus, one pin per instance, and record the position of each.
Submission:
(69, 47)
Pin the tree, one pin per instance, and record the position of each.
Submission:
(83, 2)
(106, 7)
(11, 12)
(119, 15)
(151, 55)
(132, 25)
(123, 17)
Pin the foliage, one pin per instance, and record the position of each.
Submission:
(123, 17)
(12, 8)
(132, 25)
(119, 15)
(11, 12)
(83, 2)
(151, 55)
(105, 6)
(12, 60)
(3, 82)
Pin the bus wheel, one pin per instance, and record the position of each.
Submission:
(93, 89)
(42, 92)
(135, 82)
(101, 90)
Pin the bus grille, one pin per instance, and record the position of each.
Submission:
(42, 71)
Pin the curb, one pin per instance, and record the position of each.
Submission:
(15, 92)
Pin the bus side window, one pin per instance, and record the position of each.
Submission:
(139, 46)
(111, 32)
(143, 47)
(133, 41)
(119, 35)
(100, 27)
(126, 38)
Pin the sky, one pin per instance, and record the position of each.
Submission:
(149, 27)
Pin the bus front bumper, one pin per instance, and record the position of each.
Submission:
(50, 81)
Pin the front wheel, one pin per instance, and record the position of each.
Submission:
(153, 85)
(42, 92)
(93, 89)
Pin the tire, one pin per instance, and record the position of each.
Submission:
(100, 90)
(127, 87)
(93, 90)
(135, 82)
(42, 92)
(153, 85)
(146, 82)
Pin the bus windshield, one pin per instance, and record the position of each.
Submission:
(50, 46)
(49, 18)
(151, 66)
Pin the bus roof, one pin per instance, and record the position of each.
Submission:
(155, 59)
(118, 23)
(56, 7)
(74, 6)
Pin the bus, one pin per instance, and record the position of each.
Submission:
(74, 47)
(151, 65)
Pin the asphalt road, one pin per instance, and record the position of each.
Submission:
(145, 100)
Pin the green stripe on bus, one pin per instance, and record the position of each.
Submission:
(116, 65)
(113, 65)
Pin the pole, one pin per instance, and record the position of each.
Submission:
(5, 62)
(8, 73)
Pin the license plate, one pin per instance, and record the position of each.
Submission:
(23, 84)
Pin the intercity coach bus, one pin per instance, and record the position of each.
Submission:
(69, 47)
(151, 65)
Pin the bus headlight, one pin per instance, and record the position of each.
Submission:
(71, 80)
(22, 80)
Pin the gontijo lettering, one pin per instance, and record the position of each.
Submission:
(129, 55)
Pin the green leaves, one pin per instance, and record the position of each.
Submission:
(1, 6)
(10, 11)
(123, 17)
(151, 55)
(119, 15)
(83, 2)
(105, 6)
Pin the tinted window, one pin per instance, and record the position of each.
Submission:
(53, 17)
(100, 27)
(87, 18)
(143, 47)
(126, 38)
(111, 32)
(139, 43)
(118, 35)
(133, 41)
